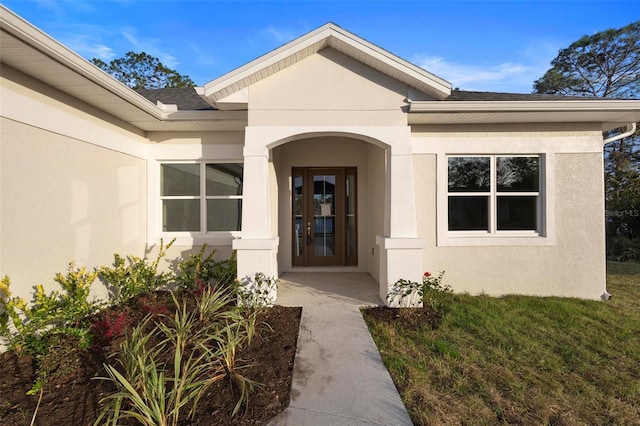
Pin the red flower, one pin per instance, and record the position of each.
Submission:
(427, 274)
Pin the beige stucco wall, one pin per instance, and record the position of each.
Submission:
(72, 184)
(333, 152)
(571, 264)
(63, 199)
(327, 89)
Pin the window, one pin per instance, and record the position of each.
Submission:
(494, 194)
(201, 197)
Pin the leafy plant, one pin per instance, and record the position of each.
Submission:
(230, 341)
(131, 276)
(151, 392)
(427, 293)
(201, 270)
(110, 326)
(28, 327)
(5, 294)
(203, 345)
(257, 292)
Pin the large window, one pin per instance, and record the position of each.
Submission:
(201, 197)
(494, 194)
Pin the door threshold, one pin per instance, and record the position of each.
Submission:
(324, 269)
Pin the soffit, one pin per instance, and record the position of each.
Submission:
(329, 35)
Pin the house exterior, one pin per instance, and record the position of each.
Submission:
(326, 154)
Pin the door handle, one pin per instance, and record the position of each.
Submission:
(308, 233)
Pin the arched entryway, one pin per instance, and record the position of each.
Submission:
(331, 196)
(375, 161)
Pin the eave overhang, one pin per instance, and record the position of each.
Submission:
(27, 49)
(609, 112)
(217, 91)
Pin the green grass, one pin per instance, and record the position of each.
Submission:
(522, 360)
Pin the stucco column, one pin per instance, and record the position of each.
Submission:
(258, 247)
(401, 249)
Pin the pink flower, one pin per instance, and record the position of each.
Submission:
(427, 274)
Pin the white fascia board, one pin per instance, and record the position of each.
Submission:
(439, 84)
(605, 105)
(219, 88)
(210, 115)
(40, 41)
(233, 77)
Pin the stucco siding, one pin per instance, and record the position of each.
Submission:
(63, 199)
(572, 266)
(327, 89)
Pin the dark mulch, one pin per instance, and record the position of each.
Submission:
(71, 397)
(414, 317)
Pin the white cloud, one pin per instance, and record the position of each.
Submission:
(150, 46)
(85, 46)
(515, 76)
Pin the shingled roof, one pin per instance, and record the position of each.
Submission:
(185, 98)
(464, 95)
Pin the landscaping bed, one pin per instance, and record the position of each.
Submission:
(190, 345)
(71, 395)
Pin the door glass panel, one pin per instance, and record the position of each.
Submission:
(297, 215)
(350, 189)
(324, 220)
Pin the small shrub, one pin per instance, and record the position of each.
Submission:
(427, 293)
(257, 292)
(27, 327)
(199, 271)
(133, 276)
(110, 326)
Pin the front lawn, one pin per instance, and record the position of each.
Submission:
(519, 360)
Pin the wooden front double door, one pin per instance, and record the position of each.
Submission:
(324, 216)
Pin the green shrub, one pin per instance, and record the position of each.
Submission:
(133, 276)
(28, 327)
(199, 271)
(427, 292)
(257, 292)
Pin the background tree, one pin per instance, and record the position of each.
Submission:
(143, 71)
(607, 64)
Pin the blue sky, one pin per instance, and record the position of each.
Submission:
(476, 45)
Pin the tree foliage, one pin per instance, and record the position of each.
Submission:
(143, 71)
(607, 64)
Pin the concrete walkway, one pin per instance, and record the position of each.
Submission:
(338, 377)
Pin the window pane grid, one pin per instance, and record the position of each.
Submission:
(200, 197)
(508, 205)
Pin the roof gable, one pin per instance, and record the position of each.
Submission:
(329, 35)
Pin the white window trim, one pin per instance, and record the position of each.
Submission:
(211, 238)
(544, 234)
